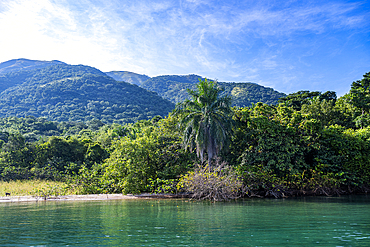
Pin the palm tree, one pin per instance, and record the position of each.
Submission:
(206, 120)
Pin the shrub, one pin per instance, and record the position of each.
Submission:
(162, 186)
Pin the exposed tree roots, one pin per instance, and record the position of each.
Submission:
(280, 192)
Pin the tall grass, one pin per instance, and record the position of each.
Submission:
(34, 187)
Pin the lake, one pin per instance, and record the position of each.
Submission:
(310, 221)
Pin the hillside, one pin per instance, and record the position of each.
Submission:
(129, 77)
(76, 93)
(44, 74)
(246, 94)
(62, 92)
(174, 88)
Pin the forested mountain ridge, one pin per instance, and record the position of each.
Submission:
(174, 88)
(171, 87)
(62, 92)
(76, 93)
(246, 93)
(129, 77)
(44, 74)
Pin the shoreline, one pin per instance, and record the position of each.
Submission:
(90, 197)
(105, 197)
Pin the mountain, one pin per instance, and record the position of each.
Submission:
(62, 92)
(25, 64)
(174, 88)
(129, 77)
(247, 93)
(43, 75)
(76, 93)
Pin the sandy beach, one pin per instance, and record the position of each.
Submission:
(93, 197)
(71, 198)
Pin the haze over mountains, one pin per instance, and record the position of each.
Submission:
(25, 64)
(62, 92)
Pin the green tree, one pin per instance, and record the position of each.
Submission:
(360, 93)
(323, 111)
(206, 120)
(262, 142)
(298, 99)
(360, 97)
(153, 153)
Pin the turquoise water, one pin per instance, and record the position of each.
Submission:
(323, 221)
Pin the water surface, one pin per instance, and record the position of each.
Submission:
(311, 221)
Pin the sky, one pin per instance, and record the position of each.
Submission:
(286, 45)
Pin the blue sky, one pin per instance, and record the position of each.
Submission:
(287, 45)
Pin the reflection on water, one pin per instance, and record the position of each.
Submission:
(323, 221)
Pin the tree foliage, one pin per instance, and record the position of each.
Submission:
(360, 93)
(174, 88)
(206, 120)
(296, 100)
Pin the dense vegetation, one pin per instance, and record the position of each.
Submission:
(33, 129)
(247, 94)
(76, 93)
(61, 92)
(309, 143)
(129, 77)
(174, 88)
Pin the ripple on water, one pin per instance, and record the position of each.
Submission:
(289, 222)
